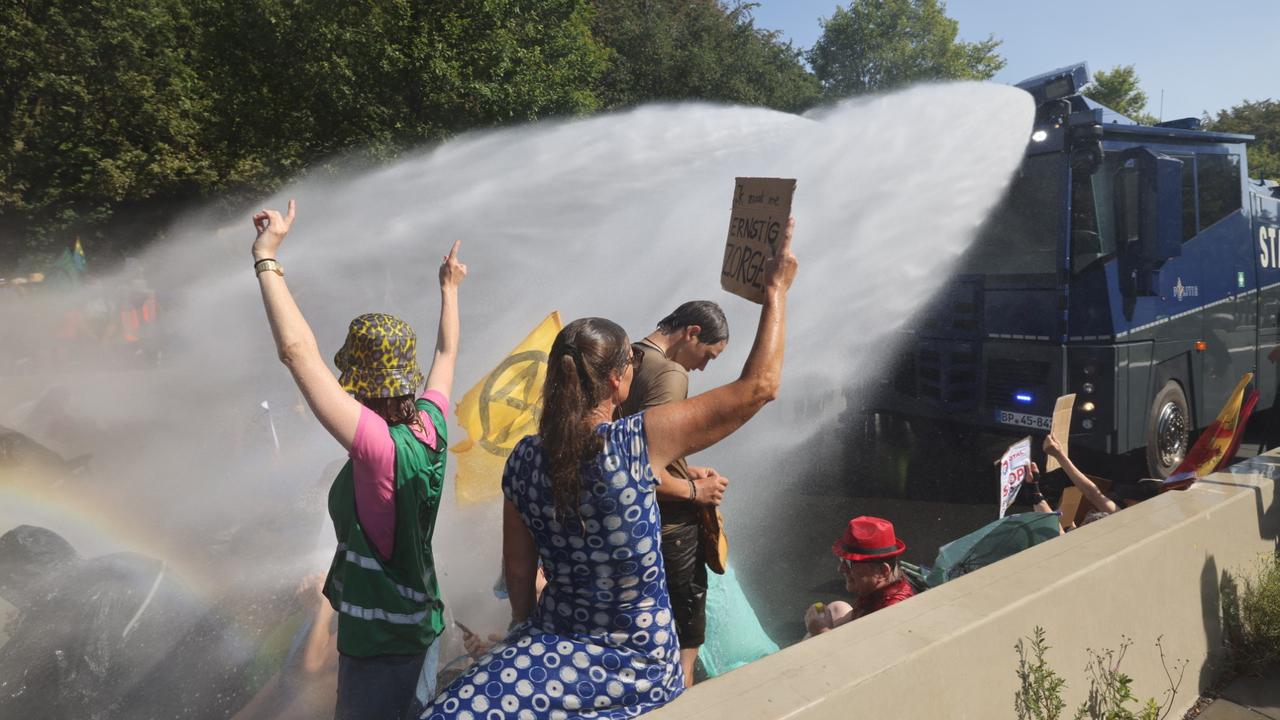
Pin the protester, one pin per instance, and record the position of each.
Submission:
(1102, 505)
(868, 553)
(580, 498)
(688, 339)
(383, 504)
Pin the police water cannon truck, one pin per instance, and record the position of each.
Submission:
(1136, 266)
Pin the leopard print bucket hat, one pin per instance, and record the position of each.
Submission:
(379, 358)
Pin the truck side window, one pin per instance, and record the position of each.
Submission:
(1188, 195)
(1219, 179)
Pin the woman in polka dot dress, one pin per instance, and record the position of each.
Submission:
(600, 642)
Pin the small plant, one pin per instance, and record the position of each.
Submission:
(1040, 694)
(1111, 691)
(1258, 641)
(1111, 697)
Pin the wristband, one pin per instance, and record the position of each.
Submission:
(693, 490)
(268, 264)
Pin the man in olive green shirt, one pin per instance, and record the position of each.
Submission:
(687, 339)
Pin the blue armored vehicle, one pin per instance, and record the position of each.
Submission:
(1135, 266)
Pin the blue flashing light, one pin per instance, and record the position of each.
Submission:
(1024, 398)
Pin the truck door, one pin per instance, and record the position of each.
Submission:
(1229, 321)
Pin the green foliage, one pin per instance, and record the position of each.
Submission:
(681, 50)
(1111, 691)
(116, 112)
(1119, 90)
(138, 104)
(100, 106)
(298, 80)
(1039, 696)
(1261, 119)
(882, 44)
(1251, 615)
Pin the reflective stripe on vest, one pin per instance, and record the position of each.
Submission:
(356, 611)
(369, 563)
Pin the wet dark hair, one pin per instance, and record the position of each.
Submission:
(398, 410)
(582, 357)
(703, 313)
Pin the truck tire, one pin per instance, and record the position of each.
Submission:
(1168, 430)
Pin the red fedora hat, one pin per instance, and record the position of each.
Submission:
(868, 538)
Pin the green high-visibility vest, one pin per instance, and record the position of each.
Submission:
(390, 607)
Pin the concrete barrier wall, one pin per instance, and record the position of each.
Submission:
(1152, 570)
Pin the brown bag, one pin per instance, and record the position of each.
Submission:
(715, 544)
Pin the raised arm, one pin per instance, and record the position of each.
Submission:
(445, 360)
(1038, 503)
(1084, 484)
(295, 343)
(682, 428)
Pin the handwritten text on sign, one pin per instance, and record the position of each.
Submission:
(1014, 466)
(761, 207)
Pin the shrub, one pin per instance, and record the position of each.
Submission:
(1252, 617)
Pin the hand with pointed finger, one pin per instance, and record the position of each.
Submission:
(271, 227)
(452, 271)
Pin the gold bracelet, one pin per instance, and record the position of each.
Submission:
(268, 264)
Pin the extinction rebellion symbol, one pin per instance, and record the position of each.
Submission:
(521, 392)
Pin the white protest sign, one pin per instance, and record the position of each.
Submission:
(1014, 466)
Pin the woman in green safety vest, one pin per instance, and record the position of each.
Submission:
(383, 504)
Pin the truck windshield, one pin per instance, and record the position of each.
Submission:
(1092, 217)
(1021, 235)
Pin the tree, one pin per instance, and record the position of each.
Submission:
(1262, 120)
(703, 50)
(114, 112)
(384, 75)
(99, 107)
(883, 44)
(1119, 90)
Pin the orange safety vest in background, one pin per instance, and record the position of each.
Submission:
(131, 320)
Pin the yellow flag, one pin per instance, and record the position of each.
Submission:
(502, 408)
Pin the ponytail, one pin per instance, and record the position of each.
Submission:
(583, 355)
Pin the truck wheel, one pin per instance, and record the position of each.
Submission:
(1168, 430)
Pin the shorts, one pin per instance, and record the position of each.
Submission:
(686, 581)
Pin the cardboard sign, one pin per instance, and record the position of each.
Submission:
(1061, 428)
(761, 207)
(1014, 466)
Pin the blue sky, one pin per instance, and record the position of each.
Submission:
(1204, 55)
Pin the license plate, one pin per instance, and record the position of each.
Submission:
(1036, 422)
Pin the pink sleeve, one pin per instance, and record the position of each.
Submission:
(439, 399)
(373, 456)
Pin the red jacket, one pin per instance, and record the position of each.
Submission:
(884, 597)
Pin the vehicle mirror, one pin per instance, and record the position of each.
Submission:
(1148, 211)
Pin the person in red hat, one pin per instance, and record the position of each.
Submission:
(868, 553)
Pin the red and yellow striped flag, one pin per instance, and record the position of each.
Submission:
(1218, 442)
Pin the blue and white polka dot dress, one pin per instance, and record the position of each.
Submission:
(601, 643)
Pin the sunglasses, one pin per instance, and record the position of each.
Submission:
(637, 357)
